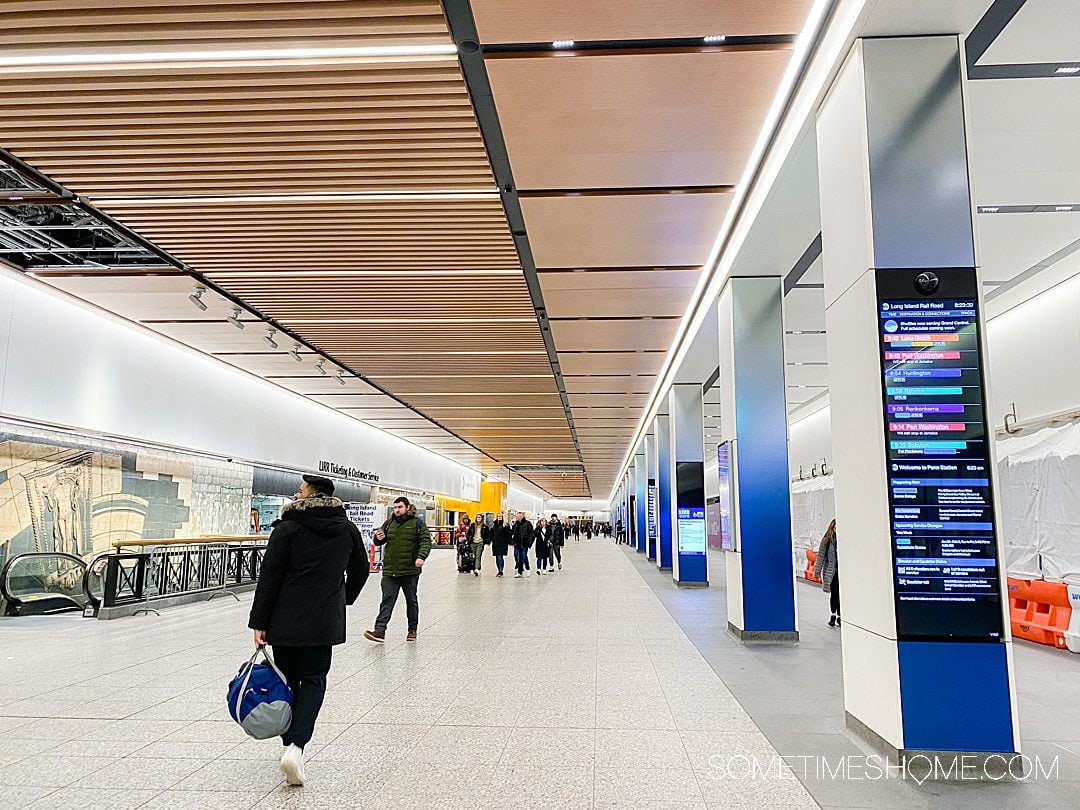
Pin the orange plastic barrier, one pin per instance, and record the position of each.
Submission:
(808, 572)
(1039, 611)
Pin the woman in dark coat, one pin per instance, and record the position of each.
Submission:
(465, 562)
(499, 534)
(825, 568)
(541, 544)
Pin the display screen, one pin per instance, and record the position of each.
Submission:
(727, 534)
(651, 512)
(944, 544)
(690, 494)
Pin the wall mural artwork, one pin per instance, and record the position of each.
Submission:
(57, 496)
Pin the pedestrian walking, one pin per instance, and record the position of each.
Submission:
(825, 567)
(555, 539)
(314, 565)
(500, 536)
(463, 540)
(406, 542)
(522, 537)
(478, 536)
(542, 548)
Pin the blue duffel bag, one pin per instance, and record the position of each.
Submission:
(260, 699)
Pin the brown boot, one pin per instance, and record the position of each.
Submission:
(411, 636)
(375, 635)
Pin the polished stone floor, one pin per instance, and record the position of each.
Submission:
(574, 690)
(795, 695)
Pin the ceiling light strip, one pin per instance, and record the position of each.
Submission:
(238, 55)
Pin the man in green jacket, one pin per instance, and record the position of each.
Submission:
(407, 543)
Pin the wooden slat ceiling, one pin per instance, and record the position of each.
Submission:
(626, 158)
(250, 170)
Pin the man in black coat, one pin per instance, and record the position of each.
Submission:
(315, 564)
(554, 536)
(522, 537)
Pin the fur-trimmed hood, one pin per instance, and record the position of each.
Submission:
(314, 502)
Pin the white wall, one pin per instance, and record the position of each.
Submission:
(518, 501)
(63, 363)
(1034, 350)
(810, 441)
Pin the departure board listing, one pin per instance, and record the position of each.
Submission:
(942, 517)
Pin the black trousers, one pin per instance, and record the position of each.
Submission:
(557, 549)
(306, 669)
(391, 586)
(834, 594)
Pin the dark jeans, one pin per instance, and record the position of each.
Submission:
(499, 560)
(390, 587)
(541, 562)
(558, 553)
(834, 594)
(521, 558)
(306, 669)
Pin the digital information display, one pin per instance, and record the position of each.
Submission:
(944, 543)
(651, 513)
(690, 514)
(723, 468)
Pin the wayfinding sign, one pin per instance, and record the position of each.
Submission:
(944, 539)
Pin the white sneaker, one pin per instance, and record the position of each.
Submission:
(292, 765)
(517, 576)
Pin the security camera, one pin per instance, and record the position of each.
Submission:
(927, 283)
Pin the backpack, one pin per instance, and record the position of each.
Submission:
(260, 699)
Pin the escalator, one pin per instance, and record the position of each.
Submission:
(39, 584)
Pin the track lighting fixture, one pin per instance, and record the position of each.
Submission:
(294, 353)
(196, 297)
(319, 366)
(340, 377)
(268, 338)
(234, 319)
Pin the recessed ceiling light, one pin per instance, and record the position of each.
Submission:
(196, 297)
(1068, 69)
(234, 318)
(268, 338)
(563, 43)
(1063, 208)
(988, 209)
(714, 39)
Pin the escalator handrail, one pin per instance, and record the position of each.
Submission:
(90, 598)
(15, 600)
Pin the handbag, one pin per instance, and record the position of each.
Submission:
(260, 699)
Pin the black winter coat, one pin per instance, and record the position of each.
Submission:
(500, 538)
(315, 564)
(522, 533)
(553, 533)
(542, 547)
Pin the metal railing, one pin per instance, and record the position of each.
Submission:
(41, 583)
(178, 569)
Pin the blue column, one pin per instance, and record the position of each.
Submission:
(662, 429)
(690, 562)
(753, 421)
(640, 521)
(927, 659)
(651, 504)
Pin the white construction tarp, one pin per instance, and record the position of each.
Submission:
(812, 507)
(1039, 499)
